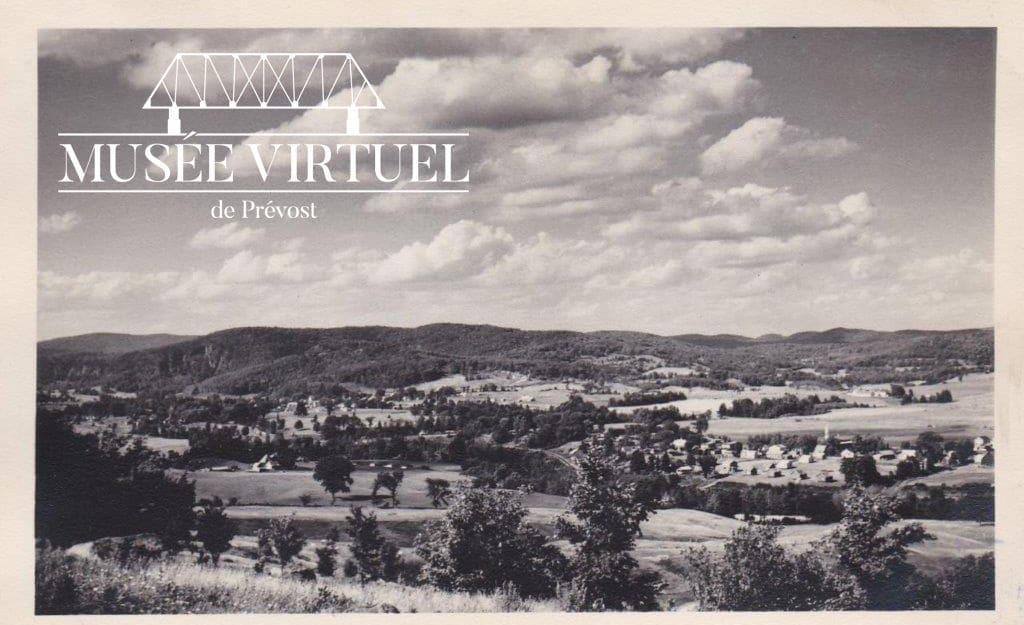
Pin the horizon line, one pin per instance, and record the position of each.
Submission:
(438, 323)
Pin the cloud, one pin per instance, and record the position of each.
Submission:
(229, 236)
(460, 249)
(62, 222)
(761, 138)
(691, 211)
(102, 285)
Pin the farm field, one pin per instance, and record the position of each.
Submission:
(967, 474)
(284, 488)
(970, 414)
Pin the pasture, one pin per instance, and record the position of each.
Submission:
(284, 488)
(970, 414)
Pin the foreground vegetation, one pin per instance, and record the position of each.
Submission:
(67, 584)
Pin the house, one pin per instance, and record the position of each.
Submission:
(907, 454)
(776, 452)
(748, 454)
(826, 476)
(784, 464)
(819, 452)
(264, 464)
(982, 442)
(951, 459)
(684, 470)
(885, 454)
(847, 453)
(806, 459)
(985, 457)
(679, 443)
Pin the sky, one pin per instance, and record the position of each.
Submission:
(667, 181)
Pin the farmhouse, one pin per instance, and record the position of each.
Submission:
(264, 464)
(776, 452)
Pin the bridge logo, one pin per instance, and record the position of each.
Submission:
(280, 160)
(230, 80)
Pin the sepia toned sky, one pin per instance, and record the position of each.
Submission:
(665, 181)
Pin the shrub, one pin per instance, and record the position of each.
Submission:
(281, 539)
(326, 556)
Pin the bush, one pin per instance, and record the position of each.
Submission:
(281, 539)
(326, 556)
(56, 592)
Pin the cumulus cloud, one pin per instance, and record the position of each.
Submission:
(62, 222)
(690, 210)
(761, 138)
(229, 236)
(460, 249)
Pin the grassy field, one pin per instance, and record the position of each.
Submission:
(967, 474)
(284, 488)
(970, 414)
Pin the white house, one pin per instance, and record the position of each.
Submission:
(847, 453)
(263, 465)
(748, 454)
(806, 459)
(776, 452)
(819, 452)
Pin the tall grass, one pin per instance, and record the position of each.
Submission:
(70, 585)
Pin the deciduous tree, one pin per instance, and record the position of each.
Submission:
(335, 474)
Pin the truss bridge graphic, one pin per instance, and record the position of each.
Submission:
(228, 80)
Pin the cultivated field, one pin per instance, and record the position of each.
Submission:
(970, 414)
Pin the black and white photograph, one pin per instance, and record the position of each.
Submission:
(492, 320)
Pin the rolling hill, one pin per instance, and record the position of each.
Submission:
(109, 343)
(290, 360)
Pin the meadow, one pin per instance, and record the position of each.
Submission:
(969, 415)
